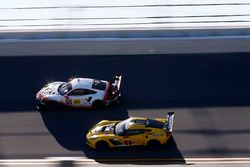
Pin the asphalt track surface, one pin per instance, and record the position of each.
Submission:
(208, 92)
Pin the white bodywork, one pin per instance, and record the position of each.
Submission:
(51, 92)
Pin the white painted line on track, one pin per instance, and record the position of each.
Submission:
(27, 15)
(28, 162)
(81, 160)
(217, 160)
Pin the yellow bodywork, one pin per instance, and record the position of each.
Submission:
(137, 132)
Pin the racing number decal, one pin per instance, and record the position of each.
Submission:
(77, 101)
(127, 142)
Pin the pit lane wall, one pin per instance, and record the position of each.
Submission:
(125, 42)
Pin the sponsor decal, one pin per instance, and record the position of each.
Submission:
(158, 134)
(77, 101)
(127, 142)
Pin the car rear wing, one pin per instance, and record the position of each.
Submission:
(170, 122)
(116, 82)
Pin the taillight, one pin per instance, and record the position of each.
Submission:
(168, 133)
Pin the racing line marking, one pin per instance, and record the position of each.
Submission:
(80, 160)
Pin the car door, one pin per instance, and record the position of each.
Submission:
(133, 137)
(80, 97)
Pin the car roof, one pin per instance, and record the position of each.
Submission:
(82, 83)
(88, 83)
(144, 123)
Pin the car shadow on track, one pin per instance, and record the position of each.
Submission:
(70, 127)
(167, 154)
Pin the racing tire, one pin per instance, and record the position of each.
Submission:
(98, 105)
(53, 105)
(119, 100)
(153, 144)
(102, 145)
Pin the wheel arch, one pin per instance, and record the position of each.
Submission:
(101, 141)
(153, 140)
(98, 104)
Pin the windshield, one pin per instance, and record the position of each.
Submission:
(121, 127)
(64, 88)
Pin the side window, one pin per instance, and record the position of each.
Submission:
(81, 92)
(135, 132)
(90, 91)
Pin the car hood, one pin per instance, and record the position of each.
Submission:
(50, 89)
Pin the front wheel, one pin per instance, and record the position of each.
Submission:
(153, 145)
(98, 105)
(102, 145)
(51, 105)
(119, 100)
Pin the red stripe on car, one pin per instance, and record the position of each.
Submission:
(106, 97)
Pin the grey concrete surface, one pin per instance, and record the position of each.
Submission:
(127, 33)
(123, 46)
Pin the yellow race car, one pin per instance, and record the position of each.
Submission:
(134, 131)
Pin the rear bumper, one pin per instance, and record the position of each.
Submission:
(113, 100)
(114, 91)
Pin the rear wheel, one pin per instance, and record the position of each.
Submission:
(119, 100)
(153, 144)
(98, 105)
(102, 145)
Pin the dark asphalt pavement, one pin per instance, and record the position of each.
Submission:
(208, 92)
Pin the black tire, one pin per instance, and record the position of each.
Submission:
(49, 106)
(118, 101)
(102, 145)
(98, 105)
(153, 144)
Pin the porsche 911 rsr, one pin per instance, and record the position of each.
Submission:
(80, 93)
(134, 131)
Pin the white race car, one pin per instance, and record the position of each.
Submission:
(84, 93)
